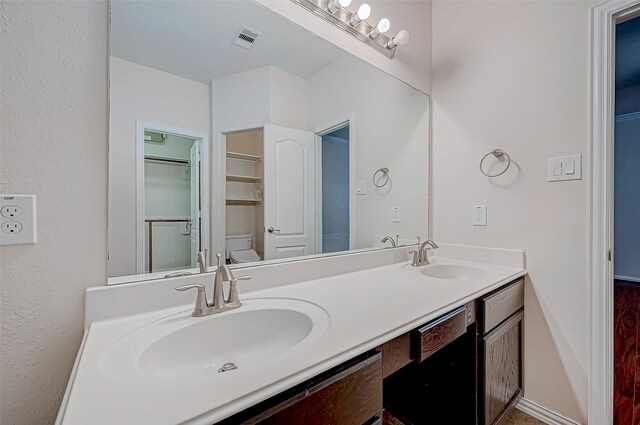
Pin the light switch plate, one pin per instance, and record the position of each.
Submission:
(361, 187)
(479, 217)
(395, 215)
(17, 219)
(562, 168)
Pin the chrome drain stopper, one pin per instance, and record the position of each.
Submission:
(227, 367)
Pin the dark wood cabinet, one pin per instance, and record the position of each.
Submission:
(350, 394)
(502, 361)
(501, 352)
(464, 367)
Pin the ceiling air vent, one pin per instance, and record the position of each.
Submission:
(246, 38)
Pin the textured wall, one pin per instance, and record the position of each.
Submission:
(513, 75)
(54, 145)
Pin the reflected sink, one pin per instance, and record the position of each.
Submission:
(179, 346)
(452, 271)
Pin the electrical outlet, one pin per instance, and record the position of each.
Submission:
(11, 211)
(479, 215)
(17, 219)
(11, 227)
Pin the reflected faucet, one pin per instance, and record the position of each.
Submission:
(394, 243)
(420, 257)
(218, 304)
(201, 258)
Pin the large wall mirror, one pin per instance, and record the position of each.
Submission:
(235, 131)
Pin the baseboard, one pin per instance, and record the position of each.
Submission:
(548, 416)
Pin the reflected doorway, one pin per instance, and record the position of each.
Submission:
(335, 190)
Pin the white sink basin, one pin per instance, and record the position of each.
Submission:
(182, 347)
(452, 271)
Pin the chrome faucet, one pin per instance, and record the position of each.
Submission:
(420, 257)
(394, 243)
(218, 304)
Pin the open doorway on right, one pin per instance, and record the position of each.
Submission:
(627, 225)
(335, 190)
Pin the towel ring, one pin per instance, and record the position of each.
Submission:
(498, 153)
(385, 173)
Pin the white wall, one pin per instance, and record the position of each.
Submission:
(145, 94)
(53, 57)
(391, 130)
(513, 75)
(412, 62)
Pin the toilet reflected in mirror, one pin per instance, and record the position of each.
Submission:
(239, 249)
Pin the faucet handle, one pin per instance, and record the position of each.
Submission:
(233, 289)
(201, 298)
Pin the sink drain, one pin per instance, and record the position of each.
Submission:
(227, 367)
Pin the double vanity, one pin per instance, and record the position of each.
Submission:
(347, 339)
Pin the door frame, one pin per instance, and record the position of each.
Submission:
(141, 127)
(340, 122)
(604, 17)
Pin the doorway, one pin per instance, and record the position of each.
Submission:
(626, 223)
(172, 222)
(335, 190)
(335, 182)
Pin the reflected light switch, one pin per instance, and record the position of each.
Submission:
(361, 187)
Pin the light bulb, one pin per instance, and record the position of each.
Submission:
(363, 13)
(402, 38)
(382, 27)
(334, 5)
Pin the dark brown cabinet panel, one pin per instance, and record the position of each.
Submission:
(395, 354)
(502, 364)
(437, 334)
(350, 395)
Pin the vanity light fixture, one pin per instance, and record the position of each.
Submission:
(336, 13)
(364, 11)
(382, 27)
(399, 40)
(335, 5)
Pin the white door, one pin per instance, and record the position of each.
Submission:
(289, 192)
(194, 219)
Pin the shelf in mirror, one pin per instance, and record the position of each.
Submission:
(243, 156)
(243, 179)
(243, 202)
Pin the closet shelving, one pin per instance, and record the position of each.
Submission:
(243, 156)
(238, 178)
(243, 202)
(243, 179)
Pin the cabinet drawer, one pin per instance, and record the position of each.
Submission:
(395, 354)
(351, 395)
(436, 334)
(499, 305)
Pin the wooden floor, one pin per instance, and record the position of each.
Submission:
(626, 354)
(518, 417)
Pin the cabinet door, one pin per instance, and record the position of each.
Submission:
(502, 356)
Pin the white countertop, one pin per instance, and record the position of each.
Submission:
(366, 308)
